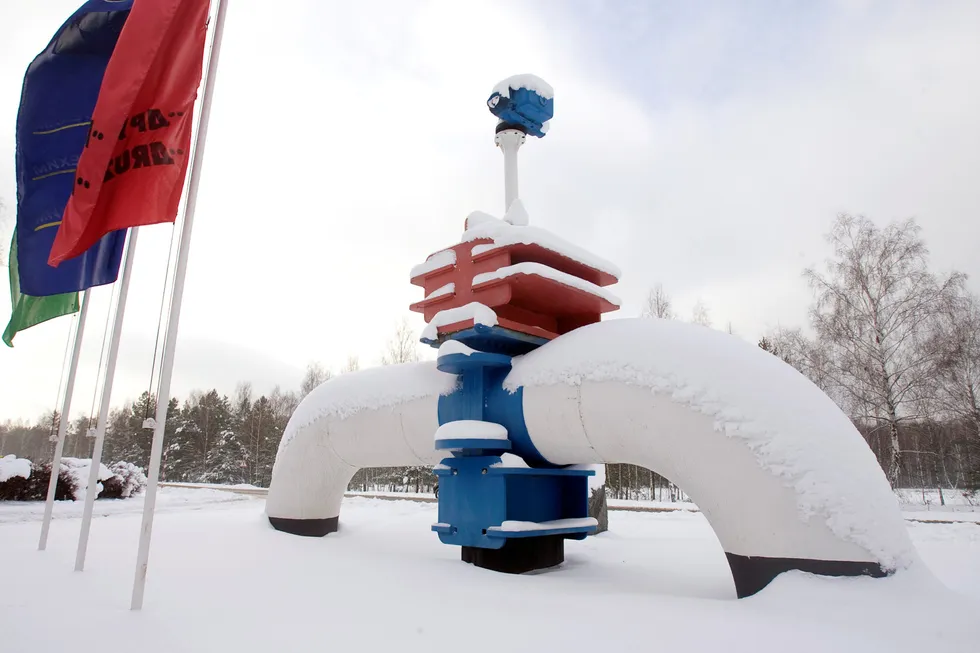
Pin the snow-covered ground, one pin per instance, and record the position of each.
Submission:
(960, 511)
(168, 499)
(950, 501)
(221, 579)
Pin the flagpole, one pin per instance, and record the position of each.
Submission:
(170, 339)
(63, 426)
(110, 372)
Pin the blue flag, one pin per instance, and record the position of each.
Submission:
(57, 100)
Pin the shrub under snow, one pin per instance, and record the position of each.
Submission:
(20, 480)
(79, 469)
(127, 479)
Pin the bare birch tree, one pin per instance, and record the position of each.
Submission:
(956, 366)
(402, 347)
(316, 374)
(809, 357)
(873, 308)
(352, 365)
(658, 304)
(700, 314)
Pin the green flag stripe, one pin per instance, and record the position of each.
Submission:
(28, 311)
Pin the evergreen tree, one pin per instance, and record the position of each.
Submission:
(228, 462)
(208, 420)
(178, 460)
(126, 438)
(768, 345)
(264, 431)
(77, 444)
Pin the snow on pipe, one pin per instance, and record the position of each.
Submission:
(781, 474)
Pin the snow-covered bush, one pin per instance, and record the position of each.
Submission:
(79, 469)
(127, 479)
(21, 480)
(15, 474)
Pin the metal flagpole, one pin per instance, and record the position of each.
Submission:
(63, 427)
(110, 372)
(170, 339)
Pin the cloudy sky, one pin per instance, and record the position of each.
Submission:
(706, 146)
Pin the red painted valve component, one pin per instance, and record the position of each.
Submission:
(534, 282)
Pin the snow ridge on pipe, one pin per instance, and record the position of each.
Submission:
(379, 387)
(795, 431)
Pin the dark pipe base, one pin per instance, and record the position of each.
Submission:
(504, 126)
(305, 527)
(753, 573)
(519, 555)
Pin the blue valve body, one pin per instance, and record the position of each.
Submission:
(525, 108)
(477, 492)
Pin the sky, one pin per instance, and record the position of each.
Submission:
(705, 146)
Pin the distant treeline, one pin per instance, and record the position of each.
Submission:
(209, 437)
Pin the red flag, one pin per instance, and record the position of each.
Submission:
(132, 169)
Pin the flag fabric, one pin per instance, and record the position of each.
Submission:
(27, 311)
(59, 94)
(131, 171)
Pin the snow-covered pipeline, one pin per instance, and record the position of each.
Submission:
(775, 466)
(380, 417)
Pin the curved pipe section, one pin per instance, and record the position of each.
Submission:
(382, 417)
(781, 474)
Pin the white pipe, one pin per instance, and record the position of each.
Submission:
(326, 442)
(751, 510)
(110, 373)
(780, 473)
(776, 467)
(170, 339)
(595, 422)
(510, 141)
(63, 427)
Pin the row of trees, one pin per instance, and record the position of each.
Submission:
(210, 437)
(896, 345)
